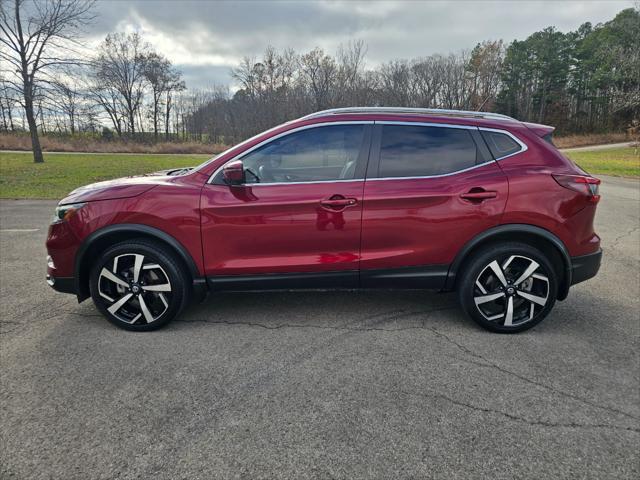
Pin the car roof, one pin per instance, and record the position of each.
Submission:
(464, 117)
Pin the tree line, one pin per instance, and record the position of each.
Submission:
(582, 81)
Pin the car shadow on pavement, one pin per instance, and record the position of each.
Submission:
(349, 310)
(368, 310)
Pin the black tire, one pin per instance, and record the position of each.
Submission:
(480, 274)
(158, 269)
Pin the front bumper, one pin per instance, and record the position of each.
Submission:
(68, 285)
(62, 284)
(58, 282)
(585, 267)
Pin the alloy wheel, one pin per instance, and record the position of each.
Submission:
(136, 289)
(511, 291)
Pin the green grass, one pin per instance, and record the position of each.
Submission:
(615, 161)
(61, 173)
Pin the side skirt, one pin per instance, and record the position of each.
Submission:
(284, 281)
(428, 278)
(432, 277)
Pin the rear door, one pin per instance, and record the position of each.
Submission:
(430, 188)
(299, 211)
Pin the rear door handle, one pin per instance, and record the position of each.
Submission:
(479, 195)
(338, 202)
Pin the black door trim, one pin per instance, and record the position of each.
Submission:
(343, 280)
(432, 277)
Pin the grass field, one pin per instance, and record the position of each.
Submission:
(622, 162)
(61, 173)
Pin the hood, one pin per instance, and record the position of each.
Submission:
(119, 188)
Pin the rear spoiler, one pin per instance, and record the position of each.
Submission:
(543, 131)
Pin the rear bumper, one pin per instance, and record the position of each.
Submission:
(585, 267)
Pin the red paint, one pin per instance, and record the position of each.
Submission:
(280, 228)
(425, 221)
(335, 226)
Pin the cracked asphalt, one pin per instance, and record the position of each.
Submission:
(320, 384)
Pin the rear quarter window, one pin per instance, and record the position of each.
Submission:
(500, 144)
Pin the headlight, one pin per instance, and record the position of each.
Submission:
(65, 212)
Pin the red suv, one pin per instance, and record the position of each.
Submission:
(348, 198)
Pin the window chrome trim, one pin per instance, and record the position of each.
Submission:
(371, 179)
(284, 134)
(300, 183)
(523, 146)
(426, 124)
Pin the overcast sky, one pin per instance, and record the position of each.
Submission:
(205, 38)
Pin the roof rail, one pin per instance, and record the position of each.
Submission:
(408, 111)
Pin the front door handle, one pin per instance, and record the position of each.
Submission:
(337, 203)
(478, 195)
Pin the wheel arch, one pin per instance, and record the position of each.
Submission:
(530, 234)
(103, 238)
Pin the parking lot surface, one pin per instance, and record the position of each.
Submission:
(320, 384)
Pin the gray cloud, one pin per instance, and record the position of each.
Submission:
(206, 39)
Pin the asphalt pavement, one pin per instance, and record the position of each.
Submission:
(320, 384)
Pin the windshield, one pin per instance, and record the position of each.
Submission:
(206, 162)
(238, 146)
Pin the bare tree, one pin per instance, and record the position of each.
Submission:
(163, 80)
(317, 72)
(120, 68)
(275, 72)
(267, 88)
(174, 86)
(396, 83)
(351, 72)
(427, 83)
(483, 71)
(7, 104)
(107, 98)
(35, 38)
(67, 99)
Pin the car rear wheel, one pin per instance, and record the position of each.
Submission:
(138, 285)
(508, 287)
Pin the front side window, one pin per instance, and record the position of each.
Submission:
(420, 151)
(315, 154)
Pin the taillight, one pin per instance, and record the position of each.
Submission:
(588, 186)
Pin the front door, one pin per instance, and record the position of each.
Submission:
(297, 218)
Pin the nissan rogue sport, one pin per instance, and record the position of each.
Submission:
(348, 198)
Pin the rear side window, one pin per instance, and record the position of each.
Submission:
(500, 144)
(418, 151)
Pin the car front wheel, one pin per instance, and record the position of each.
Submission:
(138, 285)
(508, 287)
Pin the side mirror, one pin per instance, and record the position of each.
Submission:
(233, 173)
